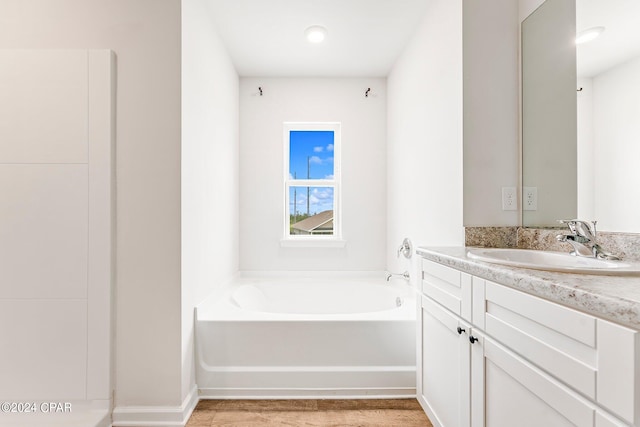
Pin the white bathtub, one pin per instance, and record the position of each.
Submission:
(304, 338)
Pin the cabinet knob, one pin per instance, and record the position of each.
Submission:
(460, 330)
(472, 339)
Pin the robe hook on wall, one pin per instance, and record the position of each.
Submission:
(580, 90)
(260, 89)
(366, 94)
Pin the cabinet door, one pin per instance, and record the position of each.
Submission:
(445, 366)
(516, 393)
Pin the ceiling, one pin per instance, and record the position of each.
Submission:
(365, 37)
(619, 42)
(266, 37)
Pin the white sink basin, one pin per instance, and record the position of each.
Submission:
(554, 261)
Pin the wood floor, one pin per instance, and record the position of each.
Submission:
(321, 413)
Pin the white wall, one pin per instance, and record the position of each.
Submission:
(424, 155)
(616, 134)
(209, 170)
(262, 171)
(56, 223)
(145, 36)
(429, 115)
(586, 150)
(491, 88)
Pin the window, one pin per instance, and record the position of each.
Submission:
(312, 181)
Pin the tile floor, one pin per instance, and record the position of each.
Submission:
(321, 413)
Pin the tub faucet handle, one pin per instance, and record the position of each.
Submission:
(406, 249)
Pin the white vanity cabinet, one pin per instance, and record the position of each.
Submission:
(444, 350)
(493, 356)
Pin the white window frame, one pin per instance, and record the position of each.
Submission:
(315, 240)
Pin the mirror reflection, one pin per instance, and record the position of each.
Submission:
(606, 114)
(608, 70)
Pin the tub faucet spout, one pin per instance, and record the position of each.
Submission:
(404, 275)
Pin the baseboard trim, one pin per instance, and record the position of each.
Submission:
(156, 416)
(310, 393)
(427, 410)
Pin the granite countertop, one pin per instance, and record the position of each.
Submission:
(615, 298)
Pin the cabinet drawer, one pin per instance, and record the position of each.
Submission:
(559, 340)
(447, 286)
(593, 356)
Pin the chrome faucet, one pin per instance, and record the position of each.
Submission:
(406, 248)
(404, 275)
(583, 239)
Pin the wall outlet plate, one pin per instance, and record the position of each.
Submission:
(509, 199)
(530, 198)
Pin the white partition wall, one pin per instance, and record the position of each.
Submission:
(425, 138)
(56, 233)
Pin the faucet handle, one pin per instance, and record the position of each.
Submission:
(405, 249)
(581, 228)
(571, 223)
(586, 229)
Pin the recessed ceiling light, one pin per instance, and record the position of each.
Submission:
(588, 34)
(315, 34)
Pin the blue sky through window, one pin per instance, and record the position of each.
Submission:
(312, 151)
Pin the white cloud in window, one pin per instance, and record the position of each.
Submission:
(330, 147)
(322, 194)
(318, 149)
(329, 176)
(315, 159)
(320, 199)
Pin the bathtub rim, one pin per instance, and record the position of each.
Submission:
(218, 307)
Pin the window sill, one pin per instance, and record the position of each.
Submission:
(313, 243)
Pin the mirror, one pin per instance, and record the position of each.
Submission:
(549, 131)
(581, 155)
